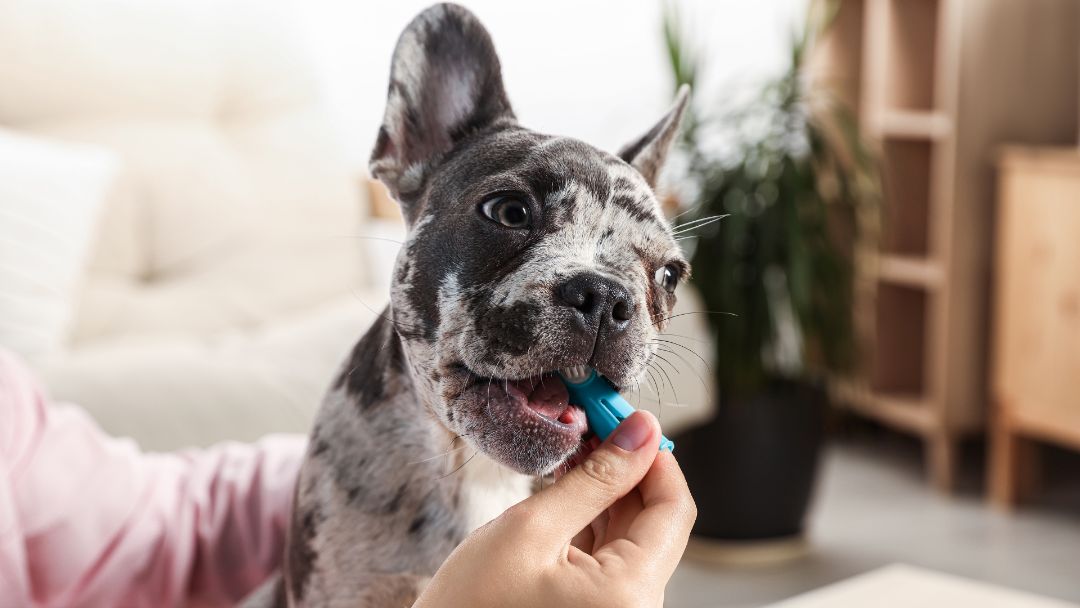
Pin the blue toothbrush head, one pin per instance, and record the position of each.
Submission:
(604, 407)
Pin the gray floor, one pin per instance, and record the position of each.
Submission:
(873, 508)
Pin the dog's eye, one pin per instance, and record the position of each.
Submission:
(667, 277)
(508, 210)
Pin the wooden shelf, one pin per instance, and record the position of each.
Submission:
(909, 270)
(912, 413)
(912, 124)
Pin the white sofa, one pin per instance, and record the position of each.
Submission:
(225, 282)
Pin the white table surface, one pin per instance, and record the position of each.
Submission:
(904, 586)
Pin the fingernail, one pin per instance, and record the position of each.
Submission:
(632, 433)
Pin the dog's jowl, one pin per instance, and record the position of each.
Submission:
(526, 253)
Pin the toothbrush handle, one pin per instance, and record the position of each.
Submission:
(605, 413)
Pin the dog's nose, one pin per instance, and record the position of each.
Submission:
(600, 303)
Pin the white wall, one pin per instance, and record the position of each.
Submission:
(594, 70)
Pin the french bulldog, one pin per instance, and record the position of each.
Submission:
(526, 253)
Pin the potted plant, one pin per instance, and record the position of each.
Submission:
(774, 214)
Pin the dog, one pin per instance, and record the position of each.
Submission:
(526, 253)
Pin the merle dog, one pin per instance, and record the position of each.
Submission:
(526, 253)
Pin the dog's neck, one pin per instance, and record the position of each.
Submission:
(377, 391)
(381, 465)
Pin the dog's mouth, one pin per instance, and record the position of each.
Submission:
(547, 396)
(528, 423)
(544, 396)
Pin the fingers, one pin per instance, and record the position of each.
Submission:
(663, 526)
(585, 540)
(609, 472)
(622, 515)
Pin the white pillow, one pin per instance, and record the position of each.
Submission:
(50, 197)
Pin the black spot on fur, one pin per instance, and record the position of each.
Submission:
(301, 552)
(509, 330)
(355, 494)
(418, 523)
(453, 534)
(364, 376)
(422, 295)
(394, 503)
(278, 596)
(638, 210)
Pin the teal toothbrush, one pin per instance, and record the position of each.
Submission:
(604, 406)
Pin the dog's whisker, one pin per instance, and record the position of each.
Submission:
(652, 380)
(698, 220)
(462, 465)
(671, 384)
(441, 455)
(698, 224)
(691, 368)
(365, 237)
(688, 211)
(699, 312)
(659, 341)
(668, 334)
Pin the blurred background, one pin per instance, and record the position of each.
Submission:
(875, 389)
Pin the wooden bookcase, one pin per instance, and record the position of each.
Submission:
(937, 86)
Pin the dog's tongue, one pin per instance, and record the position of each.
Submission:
(547, 396)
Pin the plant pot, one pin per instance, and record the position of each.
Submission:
(752, 468)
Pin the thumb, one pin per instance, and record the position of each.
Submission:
(610, 472)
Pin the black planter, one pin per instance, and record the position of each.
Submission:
(752, 468)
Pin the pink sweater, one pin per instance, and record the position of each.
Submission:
(89, 520)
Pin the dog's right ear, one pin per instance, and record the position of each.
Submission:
(445, 84)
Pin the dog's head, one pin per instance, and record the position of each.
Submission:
(526, 253)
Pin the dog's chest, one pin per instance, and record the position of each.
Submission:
(488, 489)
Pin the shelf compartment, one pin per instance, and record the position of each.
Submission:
(910, 271)
(906, 165)
(910, 48)
(900, 346)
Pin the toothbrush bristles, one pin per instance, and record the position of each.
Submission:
(576, 373)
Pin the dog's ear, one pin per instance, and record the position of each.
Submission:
(445, 83)
(647, 153)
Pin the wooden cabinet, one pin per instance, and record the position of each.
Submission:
(1035, 380)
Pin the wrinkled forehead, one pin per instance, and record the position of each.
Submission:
(582, 191)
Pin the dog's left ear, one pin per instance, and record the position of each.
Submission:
(445, 84)
(647, 153)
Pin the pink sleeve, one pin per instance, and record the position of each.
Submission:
(89, 520)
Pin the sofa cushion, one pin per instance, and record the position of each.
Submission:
(212, 108)
(51, 194)
(170, 392)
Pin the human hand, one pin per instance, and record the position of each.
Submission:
(608, 533)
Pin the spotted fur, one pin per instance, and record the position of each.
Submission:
(417, 443)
